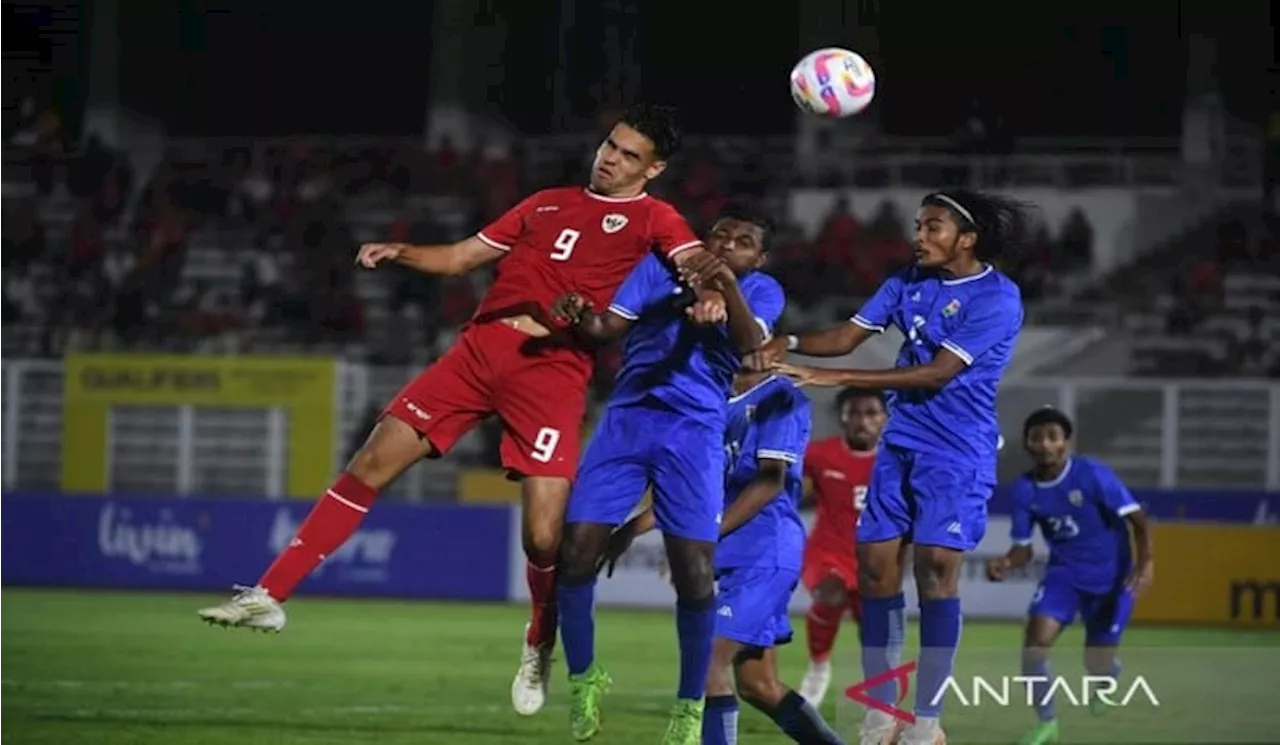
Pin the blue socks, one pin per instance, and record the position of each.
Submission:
(1037, 665)
(578, 624)
(695, 626)
(939, 637)
(802, 723)
(883, 632)
(720, 721)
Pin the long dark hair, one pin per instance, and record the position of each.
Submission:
(1003, 224)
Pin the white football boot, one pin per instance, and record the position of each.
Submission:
(813, 688)
(249, 608)
(529, 689)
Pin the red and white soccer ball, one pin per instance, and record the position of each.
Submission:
(833, 83)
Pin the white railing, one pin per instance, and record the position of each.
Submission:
(1156, 433)
(1163, 433)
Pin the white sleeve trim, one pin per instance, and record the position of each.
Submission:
(492, 243)
(1022, 541)
(764, 328)
(868, 325)
(782, 455)
(683, 247)
(958, 351)
(1128, 509)
(618, 310)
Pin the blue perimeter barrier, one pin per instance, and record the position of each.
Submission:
(448, 551)
(131, 542)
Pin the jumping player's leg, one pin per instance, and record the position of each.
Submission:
(883, 534)
(610, 483)
(423, 420)
(541, 398)
(829, 601)
(688, 499)
(949, 520)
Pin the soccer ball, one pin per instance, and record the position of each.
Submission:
(833, 83)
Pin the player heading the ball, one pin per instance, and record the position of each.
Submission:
(511, 360)
(936, 466)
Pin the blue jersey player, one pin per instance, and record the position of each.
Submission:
(758, 561)
(936, 465)
(663, 427)
(1086, 515)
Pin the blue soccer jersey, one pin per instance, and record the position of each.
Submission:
(758, 565)
(976, 318)
(936, 466)
(770, 421)
(1081, 516)
(664, 423)
(690, 367)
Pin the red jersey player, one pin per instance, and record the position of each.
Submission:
(840, 469)
(510, 360)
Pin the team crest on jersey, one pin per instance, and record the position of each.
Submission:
(1075, 497)
(951, 308)
(613, 222)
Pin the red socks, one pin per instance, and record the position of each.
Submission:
(822, 623)
(332, 521)
(542, 594)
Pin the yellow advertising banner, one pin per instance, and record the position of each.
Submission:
(1214, 575)
(95, 383)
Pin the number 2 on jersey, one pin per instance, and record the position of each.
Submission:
(562, 249)
(859, 501)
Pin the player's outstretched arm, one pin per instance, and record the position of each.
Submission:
(769, 482)
(930, 376)
(451, 260)
(599, 327)
(829, 342)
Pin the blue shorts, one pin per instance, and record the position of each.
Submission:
(1105, 614)
(751, 605)
(635, 446)
(925, 500)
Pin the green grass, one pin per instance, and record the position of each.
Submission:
(139, 669)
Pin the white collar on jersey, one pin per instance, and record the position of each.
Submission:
(753, 389)
(961, 280)
(1065, 470)
(617, 200)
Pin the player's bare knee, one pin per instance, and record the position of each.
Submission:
(757, 688)
(391, 448)
(541, 537)
(937, 572)
(580, 550)
(692, 570)
(831, 592)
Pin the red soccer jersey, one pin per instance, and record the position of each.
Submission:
(573, 240)
(840, 477)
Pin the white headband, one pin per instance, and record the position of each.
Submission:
(955, 206)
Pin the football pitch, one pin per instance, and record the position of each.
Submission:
(140, 669)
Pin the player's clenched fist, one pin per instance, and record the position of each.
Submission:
(705, 270)
(569, 307)
(372, 254)
(708, 308)
(998, 568)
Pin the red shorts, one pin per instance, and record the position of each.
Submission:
(536, 387)
(820, 564)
